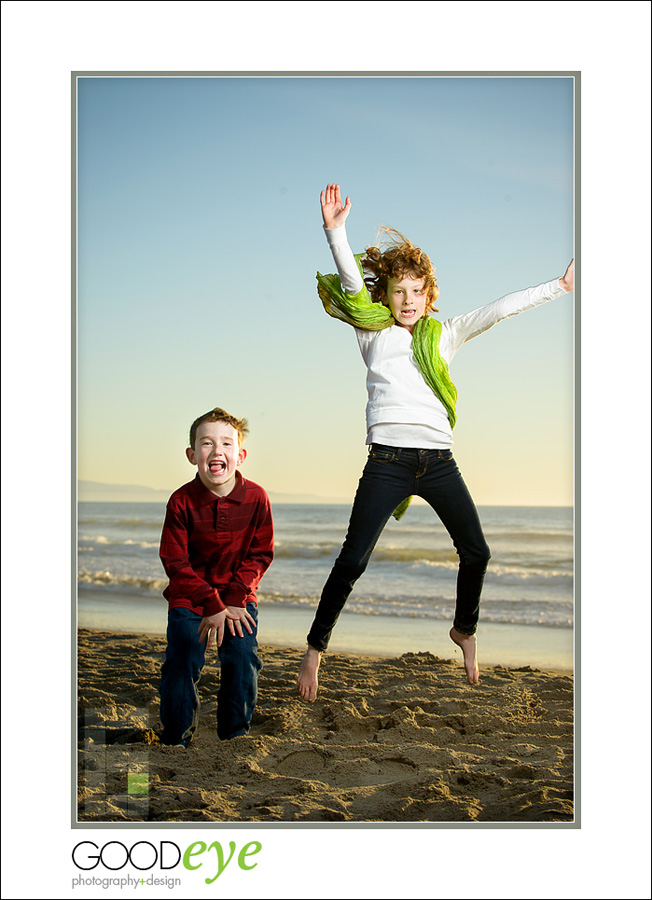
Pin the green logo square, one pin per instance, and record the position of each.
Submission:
(138, 783)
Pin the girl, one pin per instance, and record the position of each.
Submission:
(410, 416)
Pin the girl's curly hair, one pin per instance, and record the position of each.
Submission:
(396, 258)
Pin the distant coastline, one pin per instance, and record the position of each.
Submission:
(100, 492)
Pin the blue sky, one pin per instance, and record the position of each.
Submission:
(199, 234)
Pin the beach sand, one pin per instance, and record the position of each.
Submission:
(388, 740)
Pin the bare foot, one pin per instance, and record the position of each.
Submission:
(469, 647)
(307, 680)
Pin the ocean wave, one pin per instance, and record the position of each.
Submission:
(439, 607)
(105, 541)
(436, 608)
(293, 550)
(415, 554)
(494, 532)
(153, 524)
(109, 581)
(445, 558)
(533, 573)
(283, 550)
(521, 534)
(528, 575)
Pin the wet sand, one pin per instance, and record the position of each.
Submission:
(388, 740)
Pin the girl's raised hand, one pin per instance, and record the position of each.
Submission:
(567, 281)
(331, 206)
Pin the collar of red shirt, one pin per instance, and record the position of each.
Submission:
(204, 496)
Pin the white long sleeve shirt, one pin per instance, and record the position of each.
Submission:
(402, 411)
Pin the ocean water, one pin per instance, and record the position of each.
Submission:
(411, 574)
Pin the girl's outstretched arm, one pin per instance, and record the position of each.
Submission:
(567, 281)
(335, 215)
(333, 212)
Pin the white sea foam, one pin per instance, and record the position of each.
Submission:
(412, 572)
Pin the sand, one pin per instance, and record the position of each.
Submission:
(388, 740)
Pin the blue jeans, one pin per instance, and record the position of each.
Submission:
(184, 660)
(390, 475)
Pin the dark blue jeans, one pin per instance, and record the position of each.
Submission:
(390, 475)
(184, 660)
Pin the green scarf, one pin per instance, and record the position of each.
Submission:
(360, 311)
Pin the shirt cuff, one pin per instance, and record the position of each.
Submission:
(555, 289)
(213, 605)
(235, 595)
(336, 236)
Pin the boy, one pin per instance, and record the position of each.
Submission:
(217, 543)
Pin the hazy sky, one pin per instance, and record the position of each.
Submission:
(199, 234)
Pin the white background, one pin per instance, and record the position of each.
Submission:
(609, 44)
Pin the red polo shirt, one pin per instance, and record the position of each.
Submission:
(216, 549)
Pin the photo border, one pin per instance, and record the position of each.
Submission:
(173, 825)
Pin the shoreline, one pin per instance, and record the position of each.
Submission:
(539, 646)
(287, 649)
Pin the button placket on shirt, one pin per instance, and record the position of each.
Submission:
(221, 517)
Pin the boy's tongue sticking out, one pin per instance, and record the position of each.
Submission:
(217, 455)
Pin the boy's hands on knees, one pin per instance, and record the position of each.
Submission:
(212, 626)
(333, 212)
(238, 618)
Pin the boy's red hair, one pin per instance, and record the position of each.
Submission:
(220, 415)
